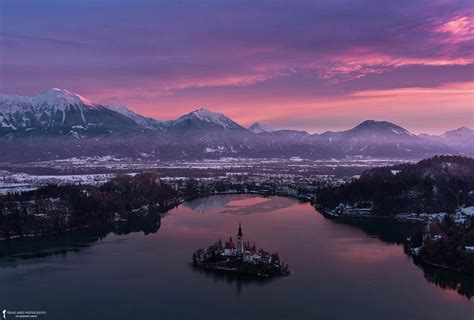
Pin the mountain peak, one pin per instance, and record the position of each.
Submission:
(61, 98)
(258, 127)
(56, 89)
(460, 130)
(203, 112)
(374, 125)
(207, 116)
(62, 109)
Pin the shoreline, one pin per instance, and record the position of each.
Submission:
(164, 210)
(323, 211)
(440, 266)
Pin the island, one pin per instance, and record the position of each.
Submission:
(239, 259)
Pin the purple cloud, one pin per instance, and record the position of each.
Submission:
(154, 54)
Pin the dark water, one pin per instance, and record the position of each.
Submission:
(340, 270)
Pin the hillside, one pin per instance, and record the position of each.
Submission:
(57, 209)
(438, 184)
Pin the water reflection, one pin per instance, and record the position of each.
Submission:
(460, 282)
(203, 205)
(387, 230)
(392, 231)
(260, 205)
(14, 251)
(334, 248)
(232, 279)
(239, 204)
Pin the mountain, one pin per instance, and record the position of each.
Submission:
(461, 139)
(60, 111)
(204, 120)
(383, 139)
(205, 134)
(287, 143)
(142, 121)
(62, 124)
(257, 127)
(292, 134)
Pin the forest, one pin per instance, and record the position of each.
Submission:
(438, 184)
(56, 209)
(444, 244)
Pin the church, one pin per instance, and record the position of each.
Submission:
(248, 253)
(239, 258)
(231, 249)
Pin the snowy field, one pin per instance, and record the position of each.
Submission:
(20, 182)
(98, 170)
(112, 163)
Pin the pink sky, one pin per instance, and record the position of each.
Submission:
(315, 66)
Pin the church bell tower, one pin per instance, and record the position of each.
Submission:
(240, 244)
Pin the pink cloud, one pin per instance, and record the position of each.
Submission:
(458, 29)
(352, 67)
(466, 88)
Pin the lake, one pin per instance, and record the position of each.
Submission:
(354, 270)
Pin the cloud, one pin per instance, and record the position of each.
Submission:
(223, 44)
(458, 29)
(166, 57)
(450, 89)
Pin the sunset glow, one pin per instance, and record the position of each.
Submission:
(312, 66)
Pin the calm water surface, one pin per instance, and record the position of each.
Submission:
(340, 271)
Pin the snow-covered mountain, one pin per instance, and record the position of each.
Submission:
(206, 134)
(203, 119)
(59, 123)
(461, 139)
(142, 121)
(59, 110)
(258, 127)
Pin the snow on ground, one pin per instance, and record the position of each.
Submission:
(468, 211)
(99, 169)
(20, 182)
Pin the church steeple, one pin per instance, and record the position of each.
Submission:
(240, 244)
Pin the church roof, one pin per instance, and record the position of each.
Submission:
(230, 245)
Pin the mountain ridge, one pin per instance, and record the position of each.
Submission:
(58, 117)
